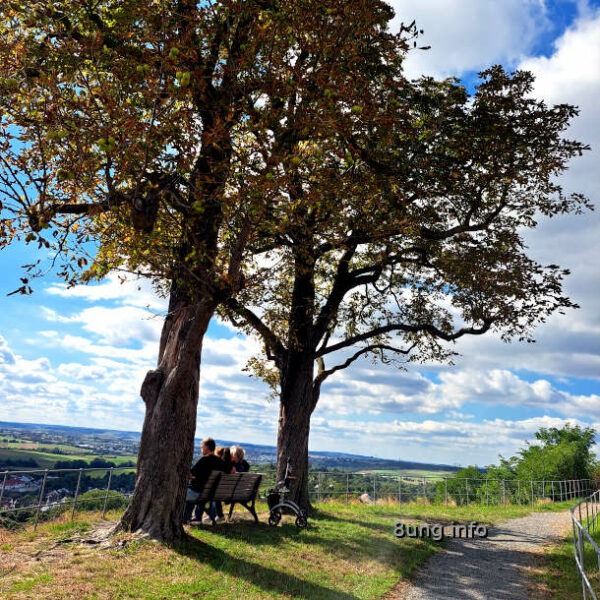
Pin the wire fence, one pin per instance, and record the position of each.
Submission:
(446, 490)
(43, 494)
(585, 517)
(34, 495)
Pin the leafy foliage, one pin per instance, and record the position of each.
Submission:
(560, 454)
(564, 453)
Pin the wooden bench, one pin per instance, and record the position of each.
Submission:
(239, 488)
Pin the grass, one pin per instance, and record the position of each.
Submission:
(557, 574)
(349, 552)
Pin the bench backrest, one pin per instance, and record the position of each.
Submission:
(239, 487)
(208, 490)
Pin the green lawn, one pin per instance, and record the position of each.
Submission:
(349, 552)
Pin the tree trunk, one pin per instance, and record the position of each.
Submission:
(296, 406)
(167, 443)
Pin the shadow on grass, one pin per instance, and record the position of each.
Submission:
(343, 537)
(264, 577)
(256, 534)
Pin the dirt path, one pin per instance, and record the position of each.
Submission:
(492, 568)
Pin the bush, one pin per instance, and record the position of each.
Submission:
(94, 500)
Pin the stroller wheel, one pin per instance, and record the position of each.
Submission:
(274, 517)
(301, 522)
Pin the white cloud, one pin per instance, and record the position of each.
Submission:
(468, 35)
(127, 291)
(457, 441)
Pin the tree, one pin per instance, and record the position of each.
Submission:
(126, 137)
(558, 454)
(406, 232)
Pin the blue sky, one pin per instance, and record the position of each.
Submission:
(78, 357)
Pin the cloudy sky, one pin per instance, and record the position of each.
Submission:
(78, 357)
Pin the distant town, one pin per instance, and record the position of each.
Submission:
(39, 445)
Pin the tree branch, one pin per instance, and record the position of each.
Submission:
(275, 349)
(325, 373)
(422, 328)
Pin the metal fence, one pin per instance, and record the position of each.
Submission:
(586, 534)
(41, 494)
(447, 490)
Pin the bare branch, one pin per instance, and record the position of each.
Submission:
(274, 347)
(420, 328)
(325, 373)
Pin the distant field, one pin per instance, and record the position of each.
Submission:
(26, 445)
(47, 460)
(412, 473)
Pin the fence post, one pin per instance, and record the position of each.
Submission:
(424, 490)
(399, 489)
(375, 487)
(543, 489)
(42, 490)
(531, 482)
(3, 486)
(110, 472)
(519, 490)
(76, 494)
(487, 493)
(587, 515)
(446, 490)
(467, 490)
(347, 487)
(503, 492)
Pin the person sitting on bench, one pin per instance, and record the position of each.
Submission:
(237, 458)
(200, 472)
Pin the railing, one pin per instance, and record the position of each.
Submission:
(36, 494)
(585, 517)
(435, 489)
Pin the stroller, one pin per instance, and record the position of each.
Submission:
(279, 504)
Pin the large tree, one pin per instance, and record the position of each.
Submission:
(407, 227)
(146, 137)
(126, 143)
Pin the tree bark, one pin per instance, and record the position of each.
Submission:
(297, 402)
(170, 393)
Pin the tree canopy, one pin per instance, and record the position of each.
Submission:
(406, 232)
(558, 453)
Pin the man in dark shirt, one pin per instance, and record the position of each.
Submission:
(200, 472)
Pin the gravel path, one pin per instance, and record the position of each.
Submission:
(491, 568)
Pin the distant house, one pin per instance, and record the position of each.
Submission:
(20, 483)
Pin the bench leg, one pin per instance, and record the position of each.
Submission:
(249, 507)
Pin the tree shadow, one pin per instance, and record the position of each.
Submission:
(258, 534)
(386, 550)
(265, 578)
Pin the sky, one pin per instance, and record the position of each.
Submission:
(79, 356)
